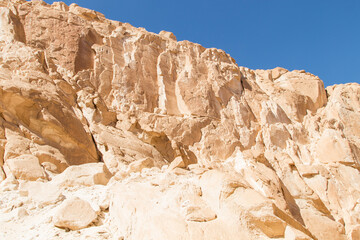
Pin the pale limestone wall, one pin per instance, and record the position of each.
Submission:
(156, 138)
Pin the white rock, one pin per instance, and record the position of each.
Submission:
(26, 167)
(74, 214)
(85, 174)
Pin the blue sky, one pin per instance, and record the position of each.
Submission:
(321, 37)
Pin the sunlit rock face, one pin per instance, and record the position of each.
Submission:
(108, 131)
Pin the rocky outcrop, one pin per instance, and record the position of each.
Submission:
(116, 132)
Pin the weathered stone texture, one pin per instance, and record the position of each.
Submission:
(164, 139)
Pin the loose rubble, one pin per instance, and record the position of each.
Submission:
(108, 131)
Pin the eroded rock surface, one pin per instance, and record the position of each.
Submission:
(119, 133)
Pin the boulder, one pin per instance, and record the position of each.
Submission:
(41, 193)
(244, 154)
(25, 167)
(83, 175)
(74, 214)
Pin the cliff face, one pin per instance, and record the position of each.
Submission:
(152, 138)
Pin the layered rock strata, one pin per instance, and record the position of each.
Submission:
(154, 138)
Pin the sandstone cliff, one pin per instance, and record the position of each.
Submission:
(108, 131)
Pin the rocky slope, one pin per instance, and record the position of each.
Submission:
(112, 132)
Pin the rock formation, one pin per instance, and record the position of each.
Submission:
(108, 131)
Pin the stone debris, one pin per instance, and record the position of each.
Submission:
(108, 131)
(74, 214)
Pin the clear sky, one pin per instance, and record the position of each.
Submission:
(319, 36)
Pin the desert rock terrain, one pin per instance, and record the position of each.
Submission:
(108, 131)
